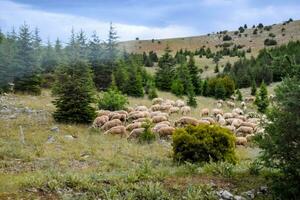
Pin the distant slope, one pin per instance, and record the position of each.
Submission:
(248, 39)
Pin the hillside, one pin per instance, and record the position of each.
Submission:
(283, 33)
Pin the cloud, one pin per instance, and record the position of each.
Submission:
(54, 25)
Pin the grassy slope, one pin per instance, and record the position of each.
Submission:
(97, 164)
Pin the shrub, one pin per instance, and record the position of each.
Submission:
(147, 136)
(270, 42)
(203, 143)
(272, 35)
(226, 38)
(30, 84)
(261, 100)
(255, 31)
(224, 169)
(152, 93)
(112, 100)
(177, 88)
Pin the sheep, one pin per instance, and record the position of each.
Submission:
(254, 120)
(216, 111)
(238, 111)
(103, 112)
(221, 120)
(117, 130)
(129, 109)
(165, 131)
(155, 107)
(233, 98)
(165, 107)
(121, 117)
(134, 125)
(231, 128)
(250, 137)
(139, 114)
(187, 121)
(155, 113)
(228, 115)
(241, 117)
(229, 120)
(249, 99)
(244, 130)
(230, 104)
(158, 126)
(243, 104)
(99, 121)
(179, 103)
(159, 118)
(219, 105)
(135, 133)
(204, 112)
(157, 101)
(185, 110)
(236, 122)
(141, 108)
(170, 102)
(249, 124)
(203, 121)
(122, 112)
(110, 124)
(241, 141)
(174, 110)
(143, 119)
(210, 119)
(165, 122)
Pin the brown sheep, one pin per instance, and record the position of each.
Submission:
(187, 121)
(244, 130)
(159, 118)
(179, 103)
(236, 122)
(217, 111)
(165, 107)
(230, 104)
(141, 108)
(142, 120)
(249, 124)
(156, 128)
(110, 124)
(165, 122)
(204, 112)
(155, 107)
(157, 101)
(228, 115)
(201, 121)
(210, 119)
(135, 133)
(99, 121)
(241, 141)
(117, 130)
(139, 114)
(165, 131)
(121, 117)
(185, 110)
(174, 110)
(122, 112)
(134, 125)
(103, 112)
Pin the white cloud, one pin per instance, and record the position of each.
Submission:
(54, 25)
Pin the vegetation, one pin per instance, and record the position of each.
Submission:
(262, 99)
(203, 143)
(112, 100)
(270, 42)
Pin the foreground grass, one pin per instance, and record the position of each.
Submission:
(108, 167)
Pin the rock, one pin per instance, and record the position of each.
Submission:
(50, 139)
(224, 194)
(250, 194)
(13, 116)
(69, 137)
(236, 197)
(263, 189)
(54, 129)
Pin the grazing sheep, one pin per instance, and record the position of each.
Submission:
(249, 99)
(121, 117)
(165, 107)
(174, 110)
(221, 120)
(201, 121)
(155, 113)
(228, 115)
(219, 105)
(135, 133)
(134, 125)
(250, 137)
(231, 128)
(122, 112)
(159, 118)
(233, 98)
(139, 114)
(155, 107)
(238, 111)
(143, 119)
(229, 120)
(157, 101)
(165, 131)
(110, 124)
(216, 111)
(210, 119)
(204, 112)
(243, 103)
(156, 128)
(141, 108)
(185, 110)
(254, 120)
(241, 117)
(179, 103)
(165, 122)
(117, 130)
(129, 109)
(230, 104)
(103, 112)
(241, 141)
(244, 130)
(187, 121)
(170, 102)
(236, 122)
(99, 121)
(249, 124)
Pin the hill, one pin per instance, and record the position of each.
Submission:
(282, 33)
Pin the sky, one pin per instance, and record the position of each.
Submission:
(145, 19)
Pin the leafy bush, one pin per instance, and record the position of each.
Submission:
(30, 84)
(270, 42)
(147, 136)
(227, 38)
(224, 169)
(112, 100)
(177, 88)
(203, 143)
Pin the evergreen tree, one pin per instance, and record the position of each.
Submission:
(239, 95)
(74, 93)
(280, 140)
(205, 88)
(26, 77)
(220, 91)
(194, 74)
(134, 85)
(183, 74)
(217, 68)
(59, 53)
(191, 98)
(253, 88)
(262, 101)
(148, 62)
(166, 71)
(177, 87)
(81, 45)
(49, 60)
(152, 92)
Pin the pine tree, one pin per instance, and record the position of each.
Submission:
(49, 60)
(74, 93)
(220, 91)
(191, 98)
(253, 88)
(152, 92)
(217, 68)
(82, 45)
(177, 87)
(166, 71)
(194, 74)
(239, 95)
(134, 85)
(262, 101)
(148, 62)
(205, 88)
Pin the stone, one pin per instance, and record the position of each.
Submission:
(263, 189)
(50, 139)
(69, 137)
(224, 194)
(54, 129)
(237, 197)
(250, 194)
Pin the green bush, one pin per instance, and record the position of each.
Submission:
(147, 136)
(112, 100)
(177, 88)
(30, 84)
(203, 143)
(270, 42)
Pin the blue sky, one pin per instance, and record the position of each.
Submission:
(144, 19)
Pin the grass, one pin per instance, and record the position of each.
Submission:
(103, 166)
